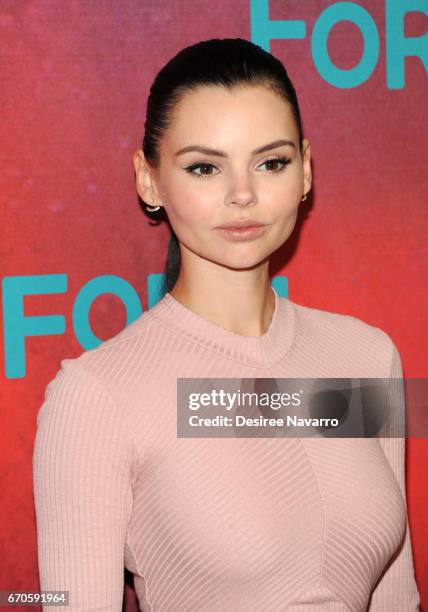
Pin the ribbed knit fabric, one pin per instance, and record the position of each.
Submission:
(218, 524)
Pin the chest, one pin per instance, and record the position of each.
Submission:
(247, 509)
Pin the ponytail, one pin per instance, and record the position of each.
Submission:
(173, 262)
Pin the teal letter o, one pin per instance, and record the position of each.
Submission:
(345, 11)
(97, 286)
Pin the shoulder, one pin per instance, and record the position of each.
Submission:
(349, 340)
(105, 368)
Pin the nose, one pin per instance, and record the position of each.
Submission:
(241, 191)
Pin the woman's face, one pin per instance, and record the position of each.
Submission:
(201, 190)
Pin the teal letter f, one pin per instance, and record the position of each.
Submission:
(263, 30)
(17, 326)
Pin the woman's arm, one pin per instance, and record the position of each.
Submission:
(397, 591)
(82, 464)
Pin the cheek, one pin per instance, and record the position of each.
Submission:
(188, 210)
(284, 200)
(192, 204)
(283, 191)
(292, 184)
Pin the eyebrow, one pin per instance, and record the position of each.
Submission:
(208, 151)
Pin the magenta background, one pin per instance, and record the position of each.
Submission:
(74, 80)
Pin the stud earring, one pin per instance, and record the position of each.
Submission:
(152, 208)
(304, 197)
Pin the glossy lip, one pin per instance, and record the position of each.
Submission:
(240, 223)
(241, 233)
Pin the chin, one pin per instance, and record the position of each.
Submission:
(235, 256)
(243, 263)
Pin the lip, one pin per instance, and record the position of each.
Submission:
(240, 223)
(241, 233)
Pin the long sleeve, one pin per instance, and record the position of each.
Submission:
(82, 473)
(397, 589)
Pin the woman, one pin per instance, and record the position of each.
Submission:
(228, 524)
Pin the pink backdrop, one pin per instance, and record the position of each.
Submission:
(74, 81)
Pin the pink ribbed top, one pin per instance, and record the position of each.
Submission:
(218, 524)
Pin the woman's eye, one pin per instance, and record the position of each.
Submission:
(283, 161)
(191, 169)
(206, 168)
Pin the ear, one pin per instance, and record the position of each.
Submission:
(144, 176)
(307, 170)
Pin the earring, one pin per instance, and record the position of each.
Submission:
(304, 197)
(152, 208)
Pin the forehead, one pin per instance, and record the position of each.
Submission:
(216, 114)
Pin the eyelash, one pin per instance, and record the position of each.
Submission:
(284, 160)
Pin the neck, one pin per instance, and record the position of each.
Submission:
(240, 301)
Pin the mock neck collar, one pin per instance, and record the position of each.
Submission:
(259, 351)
